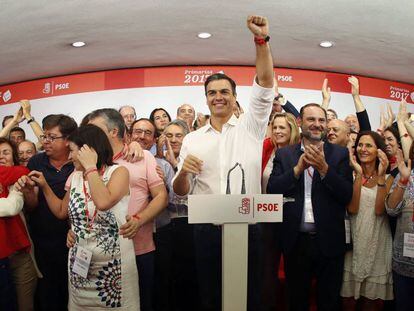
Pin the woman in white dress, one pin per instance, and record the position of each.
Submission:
(96, 203)
(367, 270)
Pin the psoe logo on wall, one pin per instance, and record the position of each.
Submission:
(6, 96)
(48, 88)
(284, 78)
(245, 206)
(62, 86)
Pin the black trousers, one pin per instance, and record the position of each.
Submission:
(302, 263)
(52, 290)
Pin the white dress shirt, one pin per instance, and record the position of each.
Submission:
(240, 141)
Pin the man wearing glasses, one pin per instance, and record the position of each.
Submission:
(49, 233)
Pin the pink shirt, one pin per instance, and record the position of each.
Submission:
(142, 177)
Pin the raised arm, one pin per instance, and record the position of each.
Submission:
(406, 139)
(26, 108)
(259, 26)
(17, 118)
(104, 196)
(361, 112)
(326, 94)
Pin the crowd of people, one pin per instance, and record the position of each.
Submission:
(95, 215)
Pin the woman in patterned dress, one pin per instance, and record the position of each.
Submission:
(96, 203)
(400, 204)
(367, 270)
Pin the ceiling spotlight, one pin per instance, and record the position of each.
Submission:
(204, 35)
(78, 44)
(326, 44)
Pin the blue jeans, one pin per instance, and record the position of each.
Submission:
(403, 290)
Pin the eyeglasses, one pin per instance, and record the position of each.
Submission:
(140, 131)
(49, 138)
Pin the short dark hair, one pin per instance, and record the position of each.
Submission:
(67, 125)
(220, 76)
(302, 110)
(95, 138)
(5, 119)
(144, 119)
(378, 140)
(151, 117)
(15, 156)
(333, 111)
(18, 129)
(112, 118)
(395, 132)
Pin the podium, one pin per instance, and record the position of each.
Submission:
(234, 212)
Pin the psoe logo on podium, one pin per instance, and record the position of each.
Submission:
(268, 208)
(245, 206)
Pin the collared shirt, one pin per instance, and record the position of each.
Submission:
(46, 230)
(240, 141)
(307, 202)
(142, 177)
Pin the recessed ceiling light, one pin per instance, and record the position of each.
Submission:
(326, 44)
(204, 35)
(78, 44)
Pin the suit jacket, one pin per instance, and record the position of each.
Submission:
(330, 197)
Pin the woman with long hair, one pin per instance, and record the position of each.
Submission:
(367, 269)
(102, 270)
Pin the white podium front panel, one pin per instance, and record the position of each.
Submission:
(235, 208)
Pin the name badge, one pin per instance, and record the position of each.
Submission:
(347, 231)
(82, 262)
(408, 250)
(308, 211)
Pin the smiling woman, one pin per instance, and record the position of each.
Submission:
(367, 269)
(14, 242)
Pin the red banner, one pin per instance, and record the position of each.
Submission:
(195, 75)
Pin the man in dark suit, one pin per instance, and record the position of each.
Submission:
(318, 176)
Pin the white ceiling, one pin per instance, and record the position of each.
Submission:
(372, 37)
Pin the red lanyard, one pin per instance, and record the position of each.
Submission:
(310, 175)
(117, 156)
(87, 198)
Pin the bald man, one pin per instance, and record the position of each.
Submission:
(338, 132)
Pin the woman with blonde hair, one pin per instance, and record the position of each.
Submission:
(284, 132)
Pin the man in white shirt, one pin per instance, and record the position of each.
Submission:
(208, 153)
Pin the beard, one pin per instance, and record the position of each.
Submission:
(314, 138)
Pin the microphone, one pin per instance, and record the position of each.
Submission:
(243, 188)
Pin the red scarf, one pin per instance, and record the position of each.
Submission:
(13, 234)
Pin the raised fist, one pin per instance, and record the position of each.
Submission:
(258, 25)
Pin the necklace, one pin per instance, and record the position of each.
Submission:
(366, 179)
